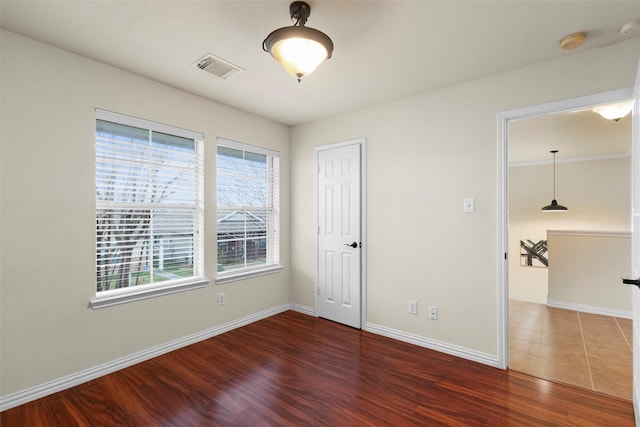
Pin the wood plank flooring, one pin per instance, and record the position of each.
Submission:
(296, 370)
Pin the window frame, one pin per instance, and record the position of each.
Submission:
(273, 228)
(197, 280)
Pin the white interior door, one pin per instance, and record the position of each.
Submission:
(339, 234)
(635, 241)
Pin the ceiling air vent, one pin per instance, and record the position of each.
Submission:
(217, 66)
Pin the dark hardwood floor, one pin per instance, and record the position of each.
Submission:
(296, 370)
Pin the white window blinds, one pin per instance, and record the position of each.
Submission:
(248, 203)
(149, 210)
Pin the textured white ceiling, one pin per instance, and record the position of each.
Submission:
(576, 135)
(383, 49)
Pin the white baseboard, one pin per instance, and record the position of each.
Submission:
(33, 393)
(590, 309)
(303, 309)
(440, 346)
(431, 344)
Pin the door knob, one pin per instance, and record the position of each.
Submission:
(631, 282)
(353, 245)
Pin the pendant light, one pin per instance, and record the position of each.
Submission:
(554, 206)
(298, 48)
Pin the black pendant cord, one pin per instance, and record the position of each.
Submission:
(554, 173)
(554, 176)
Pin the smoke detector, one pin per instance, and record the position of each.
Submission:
(629, 29)
(217, 66)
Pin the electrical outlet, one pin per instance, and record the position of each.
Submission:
(221, 298)
(433, 312)
(413, 307)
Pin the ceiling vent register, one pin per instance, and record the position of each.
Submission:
(217, 66)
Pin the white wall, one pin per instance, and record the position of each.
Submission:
(597, 193)
(585, 271)
(424, 155)
(49, 97)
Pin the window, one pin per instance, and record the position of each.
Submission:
(248, 209)
(149, 210)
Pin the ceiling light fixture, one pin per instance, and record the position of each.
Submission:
(614, 111)
(298, 48)
(554, 206)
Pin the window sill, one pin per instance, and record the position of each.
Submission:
(129, 296)
(241, 275)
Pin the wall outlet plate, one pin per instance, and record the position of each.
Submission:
(221, 298)
(413, 307)
(433, 312)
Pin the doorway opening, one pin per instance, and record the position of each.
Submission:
(535, 312)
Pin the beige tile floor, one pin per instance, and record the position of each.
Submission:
(585, 350)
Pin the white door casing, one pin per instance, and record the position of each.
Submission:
(338, 295)
(635, 240)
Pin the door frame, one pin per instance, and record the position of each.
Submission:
(503, 120)
(363, 235)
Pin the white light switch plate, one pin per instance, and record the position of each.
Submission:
(469, 205)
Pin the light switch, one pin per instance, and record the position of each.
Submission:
(469, 205)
